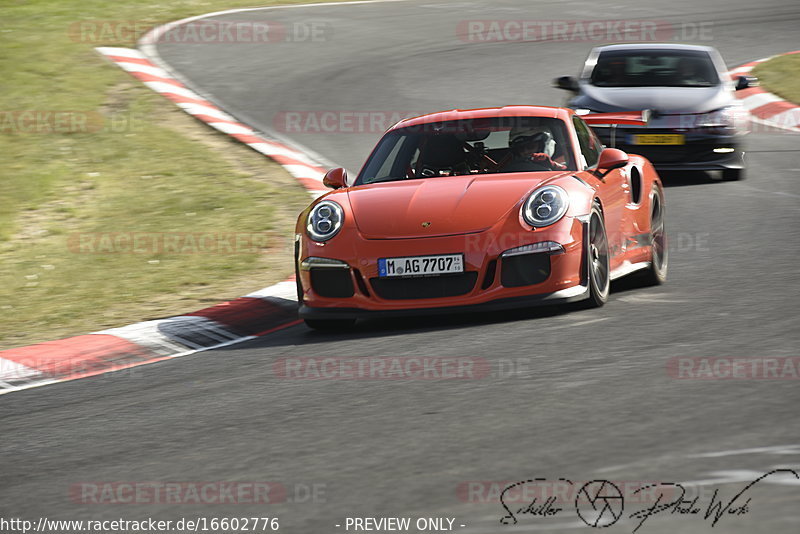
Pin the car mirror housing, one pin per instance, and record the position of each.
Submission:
(612, 158)
(744, 82)
(335, 178)
(568, 83)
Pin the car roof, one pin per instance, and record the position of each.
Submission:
(654, 46)
(484, 113)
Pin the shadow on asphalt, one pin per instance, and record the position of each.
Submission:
(365, 329)
(687, 178)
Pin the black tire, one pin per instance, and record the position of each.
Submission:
(732, 175)
(599, 267)
(656, 274)
(329, 325)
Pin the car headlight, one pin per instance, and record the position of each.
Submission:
(723, 118)
(545, 206)
(324, 220)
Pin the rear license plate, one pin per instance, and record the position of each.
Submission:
(658, 139)
(421, 265)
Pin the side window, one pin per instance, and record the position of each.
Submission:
(590, 145)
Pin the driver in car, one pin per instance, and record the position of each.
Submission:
(531, 150)
(690, 72)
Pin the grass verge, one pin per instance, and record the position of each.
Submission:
(781, 75)
(142, 167)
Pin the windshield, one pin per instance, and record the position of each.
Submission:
(654, 68)
(471, 146)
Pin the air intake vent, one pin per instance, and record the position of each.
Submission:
(424, 288)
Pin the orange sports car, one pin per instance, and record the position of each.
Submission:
(480, 210)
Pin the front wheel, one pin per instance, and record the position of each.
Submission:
(330, 325)
(599, 271)
(656, 274)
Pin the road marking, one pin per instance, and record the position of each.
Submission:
(761, 99)
(780, 449)
(736, 476)
(11, 370)
(573, 325)
(197, 109)
(655, 298)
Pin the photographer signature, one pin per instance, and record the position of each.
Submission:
(600, 503)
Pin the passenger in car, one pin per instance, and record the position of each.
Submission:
(443, 154)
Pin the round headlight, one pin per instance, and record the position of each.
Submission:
(324, 220)
(545, 206)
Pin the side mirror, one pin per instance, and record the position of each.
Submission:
(568, 83)
(335, 178)
(743, 82)
(612, 158)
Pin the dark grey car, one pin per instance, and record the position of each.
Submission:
(696, 123)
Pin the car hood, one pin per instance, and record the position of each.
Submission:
(439, 206)
(661, 99)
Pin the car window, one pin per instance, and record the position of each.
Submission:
(654, 68)
(391, 148)
(589, 143)
(470, 146)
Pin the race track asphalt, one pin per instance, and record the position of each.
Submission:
(578, 394)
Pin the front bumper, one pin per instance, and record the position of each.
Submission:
(573, 294)
(496, 281)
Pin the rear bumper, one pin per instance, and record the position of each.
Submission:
(693, 158)
(700, 151)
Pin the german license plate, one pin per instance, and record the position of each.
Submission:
(421, 265)
(658, 139)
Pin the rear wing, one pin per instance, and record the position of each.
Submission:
(637, 118)
(640, 118)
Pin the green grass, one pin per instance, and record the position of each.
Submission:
(155, 171)
(781, 76)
